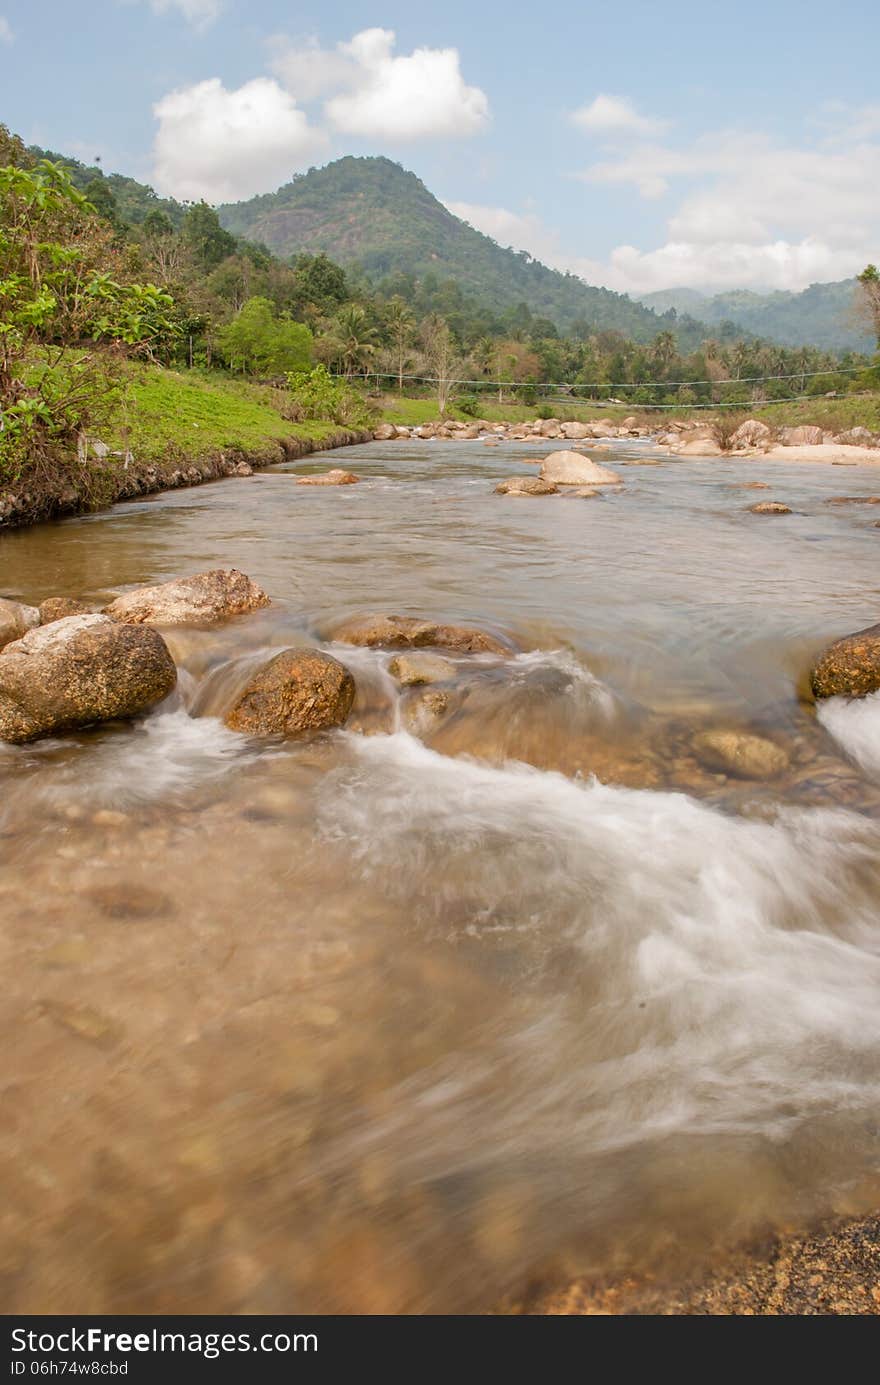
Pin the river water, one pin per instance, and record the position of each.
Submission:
(493, 986)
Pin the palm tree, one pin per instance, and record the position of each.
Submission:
(357, 339)
(399, 324)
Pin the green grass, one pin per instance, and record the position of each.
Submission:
(195, 414)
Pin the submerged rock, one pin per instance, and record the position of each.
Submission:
(526, 485)
(412, 669)
(80, 670)
(769, 507)
(58, 607)
(408, 632)
(574, 469)
(850, 667)
(336, 477)
(740, 753)
(201, 599)
(16, 620)
(424, 710)
(299, 691)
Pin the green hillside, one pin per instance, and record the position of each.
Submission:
(371, 213)
(818, 316)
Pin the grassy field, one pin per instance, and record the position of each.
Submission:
(194, 415)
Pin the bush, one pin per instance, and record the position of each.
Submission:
(259, 343)
(469, 405)
(316, 395)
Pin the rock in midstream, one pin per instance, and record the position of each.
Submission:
(526, 485)
(410, 670)
(336, 477)
(15, 620)
(740, 753)
(297, 692)
(850, 667)
(80, 670)
(574, 469)
(57, 607)
(409, 632)
(202, 599)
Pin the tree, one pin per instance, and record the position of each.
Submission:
(355, 338)
(257, 342)
(869, 297)
(442, 357)
(62, 294)
(399, 325)
(202, 232)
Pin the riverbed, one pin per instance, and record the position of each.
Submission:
(504, 985)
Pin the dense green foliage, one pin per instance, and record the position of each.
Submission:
(821, 315)
(259, 342)
(69, 313)
(315, 396)
(371, 213)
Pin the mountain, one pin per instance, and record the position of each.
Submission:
(372, 213)
(818, 316)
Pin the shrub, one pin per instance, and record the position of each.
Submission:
(316, 395)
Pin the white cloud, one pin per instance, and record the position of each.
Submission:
(753, 211)
(522, 230)
(225, 145)
(374, 94)
(6, 34)
(615, 115)
(199, 13)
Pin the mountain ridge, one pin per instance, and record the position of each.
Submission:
(820, 315)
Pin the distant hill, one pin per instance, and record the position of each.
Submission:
(372, 213)
(818, 316)
(134, 200)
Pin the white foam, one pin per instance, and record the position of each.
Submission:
(855, 725)
(732, 966)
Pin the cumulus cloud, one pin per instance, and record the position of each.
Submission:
(615, 115)
(376, 94)
(752, 211)
(6, 34)
(224, 145)
(199, 13)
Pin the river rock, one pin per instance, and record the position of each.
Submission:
(575, 431)
(740, 753)
(16, 620)
(58, 607)
(408, 632)
(769, 507)
(574, 469)
(410, 670)
(386, 432)
(298, 691)
(80, 670)
(336, 477)
(750, 434)
(804, 435)
(526, 485)
(582, 493)
(199, 600)
(848, 668)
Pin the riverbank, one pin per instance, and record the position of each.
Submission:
(173, 430)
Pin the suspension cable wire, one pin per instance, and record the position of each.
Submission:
(603, 384)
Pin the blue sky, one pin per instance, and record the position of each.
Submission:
(644, 146)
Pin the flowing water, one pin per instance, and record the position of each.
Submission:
(496, 983)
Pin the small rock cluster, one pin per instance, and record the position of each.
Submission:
(549, 428)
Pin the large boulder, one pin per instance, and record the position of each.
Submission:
(408, 632)
(805, 435)
(850, 667)
(526, 485)
(336, 477)
(575, 431)
(740, 754)
(16, 620)
(80, 670)
(574, 469)
(752, 433)
(299, 691)
(385, 432)
(199, 600)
